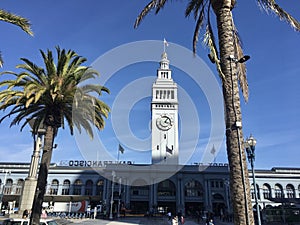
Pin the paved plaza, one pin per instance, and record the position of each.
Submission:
(141, 221)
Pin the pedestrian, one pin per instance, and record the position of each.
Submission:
(25, 214)
(169, 214)
(211, 222)
(44, 214)
(182, 220)
(175, 220)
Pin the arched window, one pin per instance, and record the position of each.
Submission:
(66, 187)
(267, 191)
(218, 197)
(290, 191)
(54, 187)
(19, 186)
(278, 191)
(140, 188)
(89, 187)
(77, 187)
(193, 188)
(166, 188)
(8, 187)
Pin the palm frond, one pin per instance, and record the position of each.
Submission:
(271, 5)
(195, 6)
(210, 42)
(1, 60)
(23, 23)
(160, 4)
(197, 30)
(145, 11)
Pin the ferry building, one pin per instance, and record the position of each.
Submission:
(161, 186)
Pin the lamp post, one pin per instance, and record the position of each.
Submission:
(28, 191)
(250, 148)
(112, 195)
(119, 199)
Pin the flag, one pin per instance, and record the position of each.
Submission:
(121, 149)
(170, 151)
(166, 43)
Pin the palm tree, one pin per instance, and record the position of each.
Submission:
(23, 23)
(232, 71)
(52, 96)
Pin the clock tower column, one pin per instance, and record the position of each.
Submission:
(164, 108)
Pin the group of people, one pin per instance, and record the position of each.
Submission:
(176, 219)
(26, 214)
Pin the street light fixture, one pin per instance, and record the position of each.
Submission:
(250, 148)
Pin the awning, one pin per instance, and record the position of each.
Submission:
(70, 198)
(286, 200)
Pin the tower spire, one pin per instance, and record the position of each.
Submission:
(164, 62)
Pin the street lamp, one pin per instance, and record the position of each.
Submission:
(250, 148)
(112, 195)
(29, 187)
(119, 199)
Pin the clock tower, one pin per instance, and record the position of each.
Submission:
(164, 108)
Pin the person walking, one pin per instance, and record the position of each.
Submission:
(175, 220)
(169, 214)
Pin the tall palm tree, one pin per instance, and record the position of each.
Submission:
(52, 96)
(229, 62)
(23, 23)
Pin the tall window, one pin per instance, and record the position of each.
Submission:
(19, 186)
(8, 187)
(278, 191)
(193, 189)
(290, 191)
(266, 191)
(66, 187)
(89, 187)
(77, 187)
(54, 187)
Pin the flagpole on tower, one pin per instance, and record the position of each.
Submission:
(166, 44)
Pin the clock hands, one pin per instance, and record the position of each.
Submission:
(167, 121)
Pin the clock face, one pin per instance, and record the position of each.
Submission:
(164, 122)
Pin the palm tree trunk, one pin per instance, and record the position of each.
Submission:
(239, 179)
(42, 177)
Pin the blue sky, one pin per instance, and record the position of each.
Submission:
(93, 28)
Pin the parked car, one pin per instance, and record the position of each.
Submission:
(18, 221)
